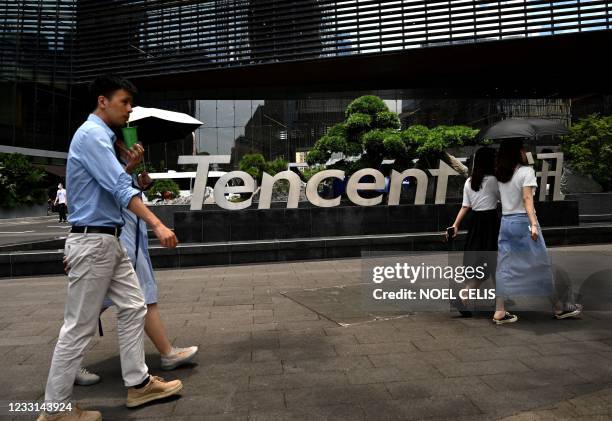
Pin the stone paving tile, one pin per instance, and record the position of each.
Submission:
(422, 408)
(392, 374)
(452, 343)
(423, 388)
(405, 360)
(352, 394)
(298, 380)
(461, 369)
(312, 413)
(327, 364)
(372, 349)
(495, 353)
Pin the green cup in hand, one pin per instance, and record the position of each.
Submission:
(130, 136)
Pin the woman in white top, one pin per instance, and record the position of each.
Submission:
(523, 266)
(480, 194)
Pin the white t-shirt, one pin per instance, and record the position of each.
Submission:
(511, 193)
(485, 198)
(61, 196)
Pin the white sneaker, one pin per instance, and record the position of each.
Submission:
(178, 356)
(85, 378)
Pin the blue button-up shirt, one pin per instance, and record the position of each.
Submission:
(97, 186)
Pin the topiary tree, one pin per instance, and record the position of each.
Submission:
(370, 131)
(20, 182)
(588, 148)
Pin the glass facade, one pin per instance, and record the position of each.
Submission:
(49, 49)
(290, 127)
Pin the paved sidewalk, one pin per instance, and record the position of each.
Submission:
(266, 357)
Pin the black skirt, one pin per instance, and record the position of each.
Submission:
(481, 240)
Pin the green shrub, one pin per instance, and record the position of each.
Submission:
(276, 166)
(160, 186)
(312, 170)
(394, 147)
(317, 156)
(588, 148)
(20, 182)
(358, 122)
(253, 164)
(387, 119)
(373, 142)
(367, 104)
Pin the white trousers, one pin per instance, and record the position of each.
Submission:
(99, 266)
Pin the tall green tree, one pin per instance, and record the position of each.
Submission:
(588, 148)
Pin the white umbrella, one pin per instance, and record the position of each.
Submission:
(156, 125)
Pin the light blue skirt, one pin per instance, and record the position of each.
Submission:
(135, 231)
(523, 265)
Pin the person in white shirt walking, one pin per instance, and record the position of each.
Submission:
(480, 195)
(523, 266)
(61, 202)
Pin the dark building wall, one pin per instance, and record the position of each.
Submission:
(36, 61)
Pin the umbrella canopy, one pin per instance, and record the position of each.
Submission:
(531, 128)
(156, 125)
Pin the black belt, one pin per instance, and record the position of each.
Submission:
(116, 231)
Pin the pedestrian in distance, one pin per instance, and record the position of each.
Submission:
(61, 202)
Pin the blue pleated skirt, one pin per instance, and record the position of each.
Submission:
(523, 265)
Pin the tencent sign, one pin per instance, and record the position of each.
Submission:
(353, 187)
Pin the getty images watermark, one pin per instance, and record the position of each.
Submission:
(446, 281)
(423, 281)
(404, 272)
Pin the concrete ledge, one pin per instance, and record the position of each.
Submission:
(219, 225)
(49, 262)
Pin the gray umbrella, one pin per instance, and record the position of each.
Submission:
(531, 128)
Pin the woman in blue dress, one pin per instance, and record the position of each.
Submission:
(523, 264)
(135, 239)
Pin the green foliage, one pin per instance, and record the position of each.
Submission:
(372, 132)
(150, 168)
(160, 186)
(332, 144)
(312, 170)
(316, 156)
(440, 138)
(358, 122)
(588, 148)
(373, 142)
(367, 104)
(253, 164)
(276, 166)
(387, 119)
(364, 115)
(395, 147)
(20, 182)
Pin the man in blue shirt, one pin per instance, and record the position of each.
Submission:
(97, 188)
